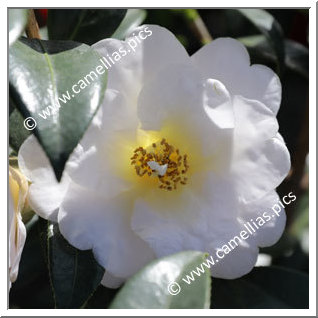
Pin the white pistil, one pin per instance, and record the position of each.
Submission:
(160, 169)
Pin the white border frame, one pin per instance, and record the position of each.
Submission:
(312, 159)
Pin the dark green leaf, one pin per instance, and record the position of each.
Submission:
(285, 245)
(75, 274)
(13, 153)
(267, 25)
(83, 25)
(296, 259)
(300, 222)
(17, 132)
(32, 288)
(149, 287)
(132, 19)
(296, 55)
(42, 73)
(101, 298)
(263, 288)
(17, 21)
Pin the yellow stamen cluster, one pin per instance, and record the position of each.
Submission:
(163, 153)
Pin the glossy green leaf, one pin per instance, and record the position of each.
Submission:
(83, 25)
(75, 274)
(132, 19)
(42, 74)
(253, 40)
(263, 288)
(267, 25)
(149, 287)
(17, 21)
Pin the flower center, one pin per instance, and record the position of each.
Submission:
(163, 161)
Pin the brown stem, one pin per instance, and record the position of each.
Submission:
(201, 30)
(32, 28)
(196, 24)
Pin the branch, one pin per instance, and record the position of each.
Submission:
(32, 28)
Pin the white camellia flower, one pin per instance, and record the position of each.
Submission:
(18, 187)
(183, 151)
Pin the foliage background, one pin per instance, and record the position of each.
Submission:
(284, 47)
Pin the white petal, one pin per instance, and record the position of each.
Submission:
(175, 90)
(263, 260)
(96, 173)
(187, 220)
(89, 221)
(128, 74)
(33, 161)
(227, 60)
(167, 234)
(206, 221)
(45, 193)
(118, 113)
(242, 258)
(254, 123)
(15, 256)
(99, 164)
(218, 104)
(260, 169)
(17, 236)
(260, 158)
(111, 281)
(179, 97)
(270, 232)
(238, 262)
(45, 198)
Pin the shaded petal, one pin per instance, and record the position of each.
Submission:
(175, 91)
(218, 104)
(96, 173)
(45, 193)
(200, 110)
(45, 198)
(138, 65)
(196, 219)
(89, 221)
(227, 60)
(117, 114)
(17, 236)
(111, 281)
(260, 169)
(118, 127)
(241, 258)
(271, 224)
(183, 89)
(33, 161)
(254, 123)
(238, 262)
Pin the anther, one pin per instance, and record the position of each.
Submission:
(166, 163)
